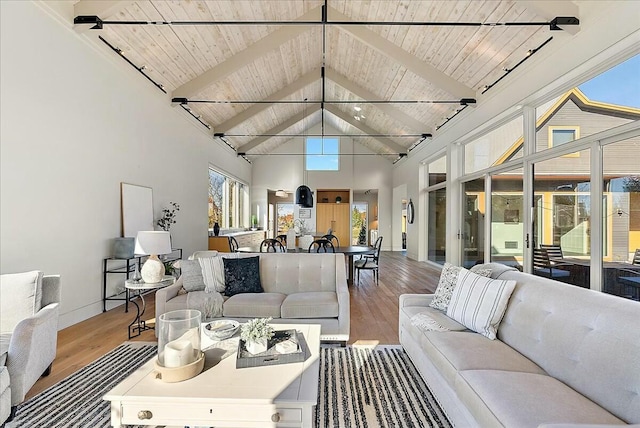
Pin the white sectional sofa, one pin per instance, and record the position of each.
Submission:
(298, 288)
(564, 357)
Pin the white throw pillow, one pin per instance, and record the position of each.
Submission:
(448, 279)
(21, 297)
(479, 303)
(212, 273)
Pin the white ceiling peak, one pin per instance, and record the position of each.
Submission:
(365, 94)
(365, 129)
(245, 57)
(278, 129)
(404, 58)
(287, 91)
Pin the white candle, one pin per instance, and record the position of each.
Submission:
(178, 353)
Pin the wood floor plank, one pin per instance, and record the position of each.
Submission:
(374, 317)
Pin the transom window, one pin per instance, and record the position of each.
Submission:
(322, 154)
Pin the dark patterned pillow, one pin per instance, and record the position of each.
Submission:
(242, 276)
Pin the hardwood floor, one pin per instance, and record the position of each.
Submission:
(374, 317)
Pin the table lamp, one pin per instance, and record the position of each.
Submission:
(152, 243)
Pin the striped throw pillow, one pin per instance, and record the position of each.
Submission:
(479, 303)
(213, 273)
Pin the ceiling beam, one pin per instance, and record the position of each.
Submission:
(365, 94)
(404, 58)
(283, 93)
(391, 145)
(278, 129)
(552, 9)
(104, 9)
(243, 58)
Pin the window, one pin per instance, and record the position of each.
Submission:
(285, 217)
(228, 201)
(359, 219)
(436, 181)
(501, 145)
(322, 154)
(561, 135)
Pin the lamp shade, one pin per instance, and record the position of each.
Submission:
(153, 242)
(304, 197)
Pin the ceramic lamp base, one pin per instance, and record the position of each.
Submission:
(178, 374)
(152, 270)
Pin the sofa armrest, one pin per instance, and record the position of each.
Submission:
(163, 295)
(32, 349)
(415, 300)
(342, 292)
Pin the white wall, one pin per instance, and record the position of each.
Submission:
(609, 32)
(76, 121)
(356, 172)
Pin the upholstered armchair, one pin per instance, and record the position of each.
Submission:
(28, 328)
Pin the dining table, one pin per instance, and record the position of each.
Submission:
(350, 251)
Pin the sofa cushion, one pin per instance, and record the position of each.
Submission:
(312, 304)
(518, 399)
(479, 302)
(192, 279)
(454, 351)
(242, 276)
(21, 298)
(254, 305)
(177, 303)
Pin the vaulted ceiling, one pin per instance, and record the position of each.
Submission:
(385, 72)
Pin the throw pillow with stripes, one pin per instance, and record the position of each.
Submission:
(479, 303)
(213, 273)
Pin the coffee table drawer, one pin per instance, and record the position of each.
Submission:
(203, 414)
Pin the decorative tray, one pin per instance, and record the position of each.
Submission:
(272, 357)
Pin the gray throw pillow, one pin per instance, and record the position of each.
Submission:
(192, 279)
(242, 276)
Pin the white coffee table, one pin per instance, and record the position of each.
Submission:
(222, 396)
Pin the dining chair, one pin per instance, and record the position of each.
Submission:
(553, 251)
(321, 246)
(331, 237)
(542, 266)
(377, 245)
(370, 262)
(233, 244)
(630, 278)
(271, 245)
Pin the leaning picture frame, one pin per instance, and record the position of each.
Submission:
(136, 204)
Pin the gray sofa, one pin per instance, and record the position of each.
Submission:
(299, 288)
(564, 357)
(28, 333)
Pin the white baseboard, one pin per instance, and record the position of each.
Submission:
(78, 315)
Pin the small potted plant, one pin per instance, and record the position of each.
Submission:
(254, 222)
(256, 334)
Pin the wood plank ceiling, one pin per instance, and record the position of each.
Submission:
(257, 63)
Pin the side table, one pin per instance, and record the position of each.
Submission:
(138, 288)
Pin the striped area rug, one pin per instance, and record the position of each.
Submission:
(369, 388)
(359, 388)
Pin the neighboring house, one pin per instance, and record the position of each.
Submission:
(562, 186)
